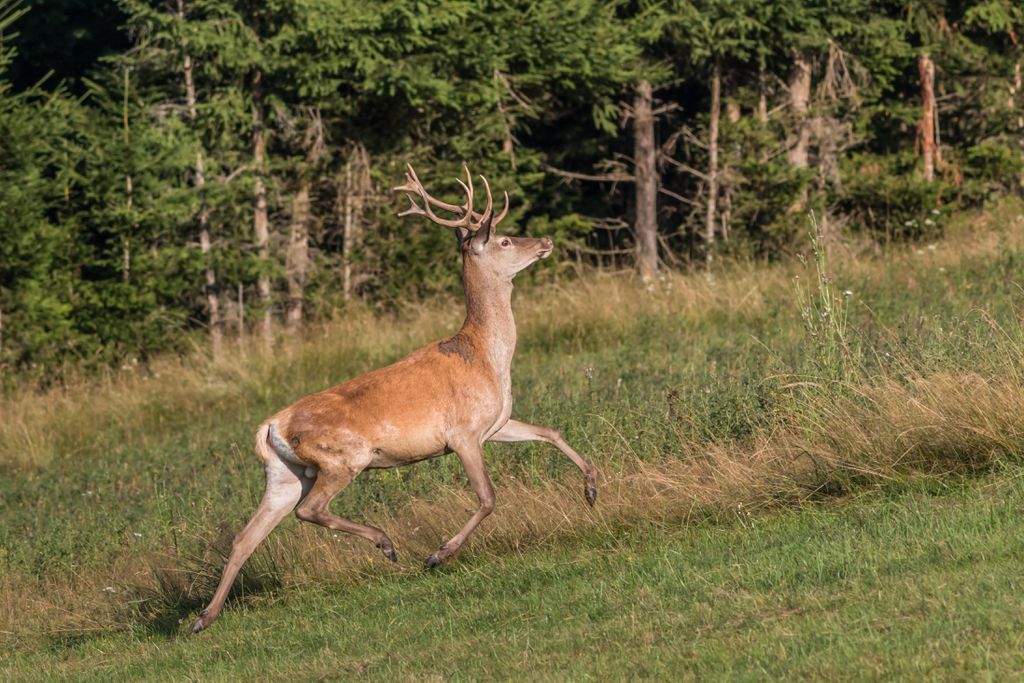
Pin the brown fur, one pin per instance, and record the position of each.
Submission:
(448, 396)
(459, 344)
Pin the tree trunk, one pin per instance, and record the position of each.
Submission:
(799, 99)
(829, 134)
(733, 114)
(762, 100)
(799, 102)
(508, 119)
(1018, 82)
(726, 213)
(126, 254)
(241, 317)
(352, 196)
(926, 126)
(212, 299)
(261, 223)
(646, 182)
(348, 233)
(203, 217)
(716, 112)
(297, 257)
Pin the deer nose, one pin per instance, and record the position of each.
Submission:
(547, 242)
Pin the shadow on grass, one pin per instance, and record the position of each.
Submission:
(170, 616)
(182, 585)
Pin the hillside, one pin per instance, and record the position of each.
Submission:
(924, 583)
(831, 444)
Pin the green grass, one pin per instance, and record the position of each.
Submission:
(919, 583)
(119, 496)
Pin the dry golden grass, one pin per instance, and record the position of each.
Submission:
(936, 425)
(842, 435)
(147, 403)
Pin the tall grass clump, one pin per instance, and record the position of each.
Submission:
(825, 313)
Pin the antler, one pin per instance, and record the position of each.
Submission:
(469, 219)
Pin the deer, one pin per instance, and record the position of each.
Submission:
(450, 396)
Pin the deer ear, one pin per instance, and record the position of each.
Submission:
(482, 236)
(461, 235)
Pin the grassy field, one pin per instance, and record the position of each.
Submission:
(809, 468)
(920, 583)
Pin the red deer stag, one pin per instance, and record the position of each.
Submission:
(451, 395)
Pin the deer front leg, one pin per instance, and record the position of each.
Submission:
(514, 431)
(472, 458)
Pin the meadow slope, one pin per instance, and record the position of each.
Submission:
(709, 401)
(918, 584)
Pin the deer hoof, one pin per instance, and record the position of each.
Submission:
(590, 491)
(389, 551)
(440, 556)
(201, 623)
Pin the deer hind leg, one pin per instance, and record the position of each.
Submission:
(285, 487)
(472, 458)
(514, 431)
(314, 509)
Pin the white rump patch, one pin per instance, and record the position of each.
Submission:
(284, 451)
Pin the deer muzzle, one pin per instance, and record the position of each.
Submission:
(546, 246)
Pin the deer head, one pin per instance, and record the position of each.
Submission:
(501, 255)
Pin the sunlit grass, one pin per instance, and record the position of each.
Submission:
(704, 397)
(923, 583)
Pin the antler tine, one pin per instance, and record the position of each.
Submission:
(489, 211)
(504, 212)
(411, 181)
(413, 184)
(469, 190)
(470, 219)
(414, 209)
(457, 223)
(467, 208)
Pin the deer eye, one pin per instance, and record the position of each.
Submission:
(506, 242)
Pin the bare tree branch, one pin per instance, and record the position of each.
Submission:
(687, 169)
(234, 174)
(615, 177)
(678, 197)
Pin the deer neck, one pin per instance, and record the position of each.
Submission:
(489, 318)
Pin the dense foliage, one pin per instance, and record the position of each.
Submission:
(211, 167)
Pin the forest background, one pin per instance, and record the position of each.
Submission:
(213, 172)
